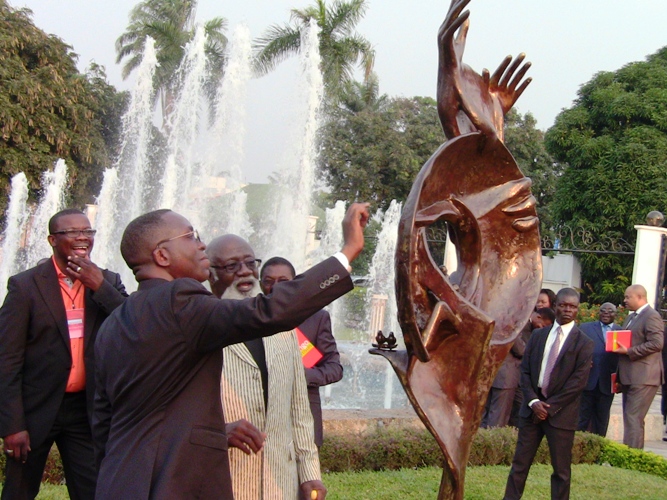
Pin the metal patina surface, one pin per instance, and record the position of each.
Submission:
(459, 327)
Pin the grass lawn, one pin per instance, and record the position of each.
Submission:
(589, 482)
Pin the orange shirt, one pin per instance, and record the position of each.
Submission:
(73, 298)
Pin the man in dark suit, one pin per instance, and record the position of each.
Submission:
(554, 372)
(640, 370)
(598, 396)
(48, 325)
(504, 387)
(317, 330)
(158, 423)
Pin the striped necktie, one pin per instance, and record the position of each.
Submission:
(551, 360)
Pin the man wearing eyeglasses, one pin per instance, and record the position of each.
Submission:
(264, 394)
(158, 424)
(48, 325)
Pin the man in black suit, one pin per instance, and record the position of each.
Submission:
(598, 396)
(48, 325)
(640, 370)
(317, 330)
(158, 424)
(554, 372)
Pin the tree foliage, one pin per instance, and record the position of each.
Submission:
(614, 143)
(375, 154)
(171, 24)
(48, 110)
(340, 46)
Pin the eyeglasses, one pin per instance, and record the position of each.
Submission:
(75, 233)
(235, 267)
(193, 235)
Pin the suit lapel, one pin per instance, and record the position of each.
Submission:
(243, 354)
(47, 284)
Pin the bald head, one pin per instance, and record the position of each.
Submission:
(635, 297)
(233, 263)
(163, 244)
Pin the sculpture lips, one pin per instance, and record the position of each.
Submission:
(525, 224)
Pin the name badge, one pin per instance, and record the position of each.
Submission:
(75, 323)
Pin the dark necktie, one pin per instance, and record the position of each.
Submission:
(551, 360)
(256, 348)
(632, 316)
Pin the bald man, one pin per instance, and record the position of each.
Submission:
(640, 370)
(158, 424)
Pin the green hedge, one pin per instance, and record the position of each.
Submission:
(415, 448)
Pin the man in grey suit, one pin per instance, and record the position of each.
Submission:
(640, 370)
(598, 396)
(158, 423)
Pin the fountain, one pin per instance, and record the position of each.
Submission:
(16, 218)
(201, 177)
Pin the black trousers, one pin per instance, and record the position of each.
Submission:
(560, 448)
(71, 433)
(594, 412)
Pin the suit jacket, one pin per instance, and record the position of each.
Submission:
(158, 425)
(35, 354)
(289, 456)
(604, 363)
(327, 371)
(509, 373)
(567, 381)
(643, 364)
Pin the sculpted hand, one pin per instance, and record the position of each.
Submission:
(85, 271)
(17, 446)
(504, 90)
(540, 410)
(309, 487)
(354, 223)
(244, 436)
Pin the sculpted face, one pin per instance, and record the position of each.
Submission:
(65, 245)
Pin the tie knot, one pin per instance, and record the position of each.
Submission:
(559, 331)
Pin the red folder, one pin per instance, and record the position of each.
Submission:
(616, 336)
(310, 356)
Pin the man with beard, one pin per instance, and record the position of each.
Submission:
(48, 325)
(264, 394)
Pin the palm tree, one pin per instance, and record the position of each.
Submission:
(341, 47)
(171, 24)
(358, 96)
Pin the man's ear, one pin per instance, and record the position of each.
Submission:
(52, 240)
(161, 257)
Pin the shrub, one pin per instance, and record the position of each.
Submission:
(624, 457)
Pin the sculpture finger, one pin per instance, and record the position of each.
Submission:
(510, 71)
(520, 90)
(495, 78)
(453, 16)
(519, 76)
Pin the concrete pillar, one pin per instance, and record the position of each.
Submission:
(647, 261)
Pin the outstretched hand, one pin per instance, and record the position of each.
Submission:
(354, 223)
(504, 90)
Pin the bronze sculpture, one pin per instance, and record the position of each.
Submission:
(458, 328)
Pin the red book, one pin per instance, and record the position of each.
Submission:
(310, 356)
(614, 337)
